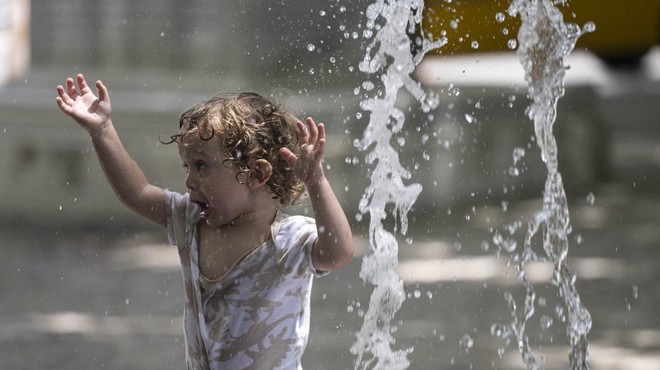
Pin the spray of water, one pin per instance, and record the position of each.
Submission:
(390, 57)
(544, 42)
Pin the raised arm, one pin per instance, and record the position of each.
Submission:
(334, 246)
(124, 175)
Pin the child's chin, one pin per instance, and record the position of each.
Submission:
(212, 222)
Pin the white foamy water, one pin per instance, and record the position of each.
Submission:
(388, 58)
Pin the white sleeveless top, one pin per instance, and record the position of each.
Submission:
(257, 315)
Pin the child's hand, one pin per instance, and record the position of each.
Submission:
(83, 106)
(307, 164)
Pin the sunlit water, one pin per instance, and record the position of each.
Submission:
(544, 41)
(389, 59)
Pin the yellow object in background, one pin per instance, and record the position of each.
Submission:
(624, 29)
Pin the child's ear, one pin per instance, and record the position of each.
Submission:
(261, 172)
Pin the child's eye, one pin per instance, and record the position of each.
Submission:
(200, 165)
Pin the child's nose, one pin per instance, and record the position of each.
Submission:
(190, 182)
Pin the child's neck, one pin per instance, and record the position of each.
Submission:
(221, 248)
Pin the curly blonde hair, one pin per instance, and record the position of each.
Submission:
(249, 127)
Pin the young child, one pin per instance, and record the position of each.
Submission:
(247, 267)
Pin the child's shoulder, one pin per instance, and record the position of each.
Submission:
(293, 228)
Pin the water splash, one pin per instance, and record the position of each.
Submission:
(390, 55)
(544, 42)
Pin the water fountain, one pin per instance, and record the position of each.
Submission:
(544, 43)
(390, 54)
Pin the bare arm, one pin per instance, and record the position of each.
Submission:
(124, 175)
(334, 246)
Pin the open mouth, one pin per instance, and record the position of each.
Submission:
(203, 206)
(205, 209)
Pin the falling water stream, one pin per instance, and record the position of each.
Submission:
(544, 42)
(390, 55)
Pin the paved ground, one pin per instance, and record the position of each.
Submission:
(92, 299)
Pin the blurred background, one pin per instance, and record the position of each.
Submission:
(86, 284)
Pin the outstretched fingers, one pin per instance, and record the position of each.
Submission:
(289, 157)
(63, 100)
(82, 84)
(103, 91)
(310, 131)
(71, 91)
(320, 143)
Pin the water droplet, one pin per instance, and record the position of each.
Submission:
(518, 154)
(469, 118)
(358, 115)
(499, 17)
(589, 27)
(368, 85)
(349, 308)
(591, 198)
(311, 47)
(512, 44)
(322, 13)
(635, 291)
(499, 330)
(559, 312)
(546, 322)
(510, 245)
(466, 342)
(342, 9)
(474, 44)
(417, 294)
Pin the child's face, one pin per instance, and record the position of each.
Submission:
(212, 184)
